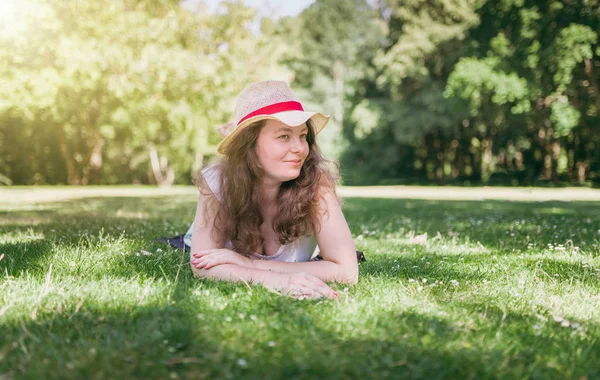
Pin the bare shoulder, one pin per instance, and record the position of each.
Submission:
(329, 202)
(207, 206)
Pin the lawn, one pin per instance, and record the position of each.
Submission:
(505, 286)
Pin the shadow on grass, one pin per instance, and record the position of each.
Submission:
(489, 222)
(25, 256)
(191, 338)
(496, 224)
(475, 269)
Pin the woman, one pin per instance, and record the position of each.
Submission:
(267, 204)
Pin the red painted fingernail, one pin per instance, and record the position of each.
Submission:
(335, 294)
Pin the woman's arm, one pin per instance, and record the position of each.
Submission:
(335, 242)
(205, 237)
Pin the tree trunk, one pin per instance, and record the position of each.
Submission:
(163, 175)
(72, 178)
(554, 161)
(486, 159)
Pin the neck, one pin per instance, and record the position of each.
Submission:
(269, 191)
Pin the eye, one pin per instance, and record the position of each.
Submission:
(304, 136)
(284, 137)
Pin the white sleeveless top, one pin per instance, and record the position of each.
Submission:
(298, 250)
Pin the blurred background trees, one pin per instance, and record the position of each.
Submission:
(438, 91)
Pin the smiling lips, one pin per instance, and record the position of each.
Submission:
(295, 162)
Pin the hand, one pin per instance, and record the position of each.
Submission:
(210, 258)
(304, 285)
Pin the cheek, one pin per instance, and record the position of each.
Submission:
(269, 154)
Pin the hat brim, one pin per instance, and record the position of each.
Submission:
(290, 118)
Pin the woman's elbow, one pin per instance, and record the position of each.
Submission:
(200, 273)
(349, 275)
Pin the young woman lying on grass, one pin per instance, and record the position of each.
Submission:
(271, 200)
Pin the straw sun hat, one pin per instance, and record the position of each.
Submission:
(271, 99)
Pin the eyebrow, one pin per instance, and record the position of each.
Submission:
(288, 129)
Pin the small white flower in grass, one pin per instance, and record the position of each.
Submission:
(158, 250)
(272, 344)
(146, 253)
(565, 323)
(411, 280)
(242, 362)
(242, 315)
(424, 280)
(420, 288)
(454, 282)
(227, 319)
(253, 317)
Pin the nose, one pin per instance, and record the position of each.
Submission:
(297, 145)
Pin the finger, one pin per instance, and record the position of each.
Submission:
(204, 262)
(317, 290)
(204, 252)
(322, 287)
(325, 290)
(204, 258)
(305, 292)
(213, 259)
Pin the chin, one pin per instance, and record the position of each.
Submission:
(290, 175)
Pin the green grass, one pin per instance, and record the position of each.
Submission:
(497, 289)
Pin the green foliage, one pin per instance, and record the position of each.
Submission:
(443, 90)
(479, 83)
(331, 43)
(114, 80)
(462, 85)
(572, 45)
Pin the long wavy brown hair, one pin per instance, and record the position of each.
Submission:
(238, 217)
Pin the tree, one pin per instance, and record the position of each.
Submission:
(120, 91)
(330, 45)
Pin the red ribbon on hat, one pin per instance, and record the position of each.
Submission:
(274, 108)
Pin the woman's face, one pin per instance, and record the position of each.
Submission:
(281, 150)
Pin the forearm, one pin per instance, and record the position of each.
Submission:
(237, 273)
(324, 270)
